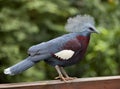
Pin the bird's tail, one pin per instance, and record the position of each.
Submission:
(19, 67)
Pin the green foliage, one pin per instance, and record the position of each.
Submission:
(24, 23)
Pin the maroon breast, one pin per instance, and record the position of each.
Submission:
(84, 43)
(84, 40)
(72, 44)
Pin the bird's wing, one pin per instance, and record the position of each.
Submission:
(46, 49)
(53, 45)
(38, 49)
(64, 54)
(68, 49)
(57, 46)
(38, 52)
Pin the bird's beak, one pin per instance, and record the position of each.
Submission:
(96, 31)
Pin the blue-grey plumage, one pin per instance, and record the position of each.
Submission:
(43, 51)
(39, 52)
(24, 65)
(20, 67)
(62, 51)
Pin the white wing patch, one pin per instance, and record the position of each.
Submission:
(65, 54)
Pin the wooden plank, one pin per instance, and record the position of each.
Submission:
(110, 82)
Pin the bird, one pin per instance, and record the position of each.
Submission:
(60, 52)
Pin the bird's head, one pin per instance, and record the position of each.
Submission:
(81, 23)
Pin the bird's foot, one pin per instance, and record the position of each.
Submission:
(61, 78)
(70, 78)
(65, 78)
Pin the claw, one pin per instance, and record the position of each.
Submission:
(70, 78)
(61, 78)
(65, 79)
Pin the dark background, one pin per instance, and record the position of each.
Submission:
(24, 23)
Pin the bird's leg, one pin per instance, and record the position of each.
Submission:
(65, 74)
(60, 74)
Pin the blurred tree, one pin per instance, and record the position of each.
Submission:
(24, 23)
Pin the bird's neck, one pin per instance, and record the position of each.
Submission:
(85, 33)
(84, 36)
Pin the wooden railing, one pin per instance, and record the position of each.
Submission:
(111, 82)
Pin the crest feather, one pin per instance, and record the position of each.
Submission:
(76, 24)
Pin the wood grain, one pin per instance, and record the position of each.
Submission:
(110, 82)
